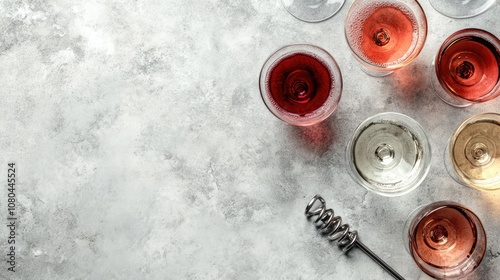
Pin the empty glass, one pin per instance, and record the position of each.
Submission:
(313, 10)
(460, 8)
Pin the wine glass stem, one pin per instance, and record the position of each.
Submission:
(378, 260)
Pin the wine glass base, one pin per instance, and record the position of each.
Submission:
(454, 9)
(377, 74)
(442, 94)
(313, 10)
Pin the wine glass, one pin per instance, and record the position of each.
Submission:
(385, 35)
(313, 10)
(389, 154)
(446, 239)
(472, 157)
(460, 8)
(301, 84)
(466, 68)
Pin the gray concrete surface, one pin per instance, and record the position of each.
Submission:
(144, 151)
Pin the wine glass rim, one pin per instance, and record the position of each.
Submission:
(471, 30)
(429, 208)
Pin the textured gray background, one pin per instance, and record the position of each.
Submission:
(144, 150)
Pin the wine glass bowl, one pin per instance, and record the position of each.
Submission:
(301, 84)
(389, 154)
(473, 154)
(466, 68)
(385, 35)
(460, 8)
(313, 10)
(445, 239)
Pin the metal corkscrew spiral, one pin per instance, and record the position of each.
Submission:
(332, 226)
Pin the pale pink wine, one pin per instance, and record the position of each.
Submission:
(445, 237)
(388, 32)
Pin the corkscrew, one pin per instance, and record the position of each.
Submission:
(332, 226)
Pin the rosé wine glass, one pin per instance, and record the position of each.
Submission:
(313, 10)
(460, 8)
(466, 68)
(385, 35)
(445, 239)
(301, 84)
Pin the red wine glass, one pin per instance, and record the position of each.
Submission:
(385, 35)
(445, 239)
(466, 68)
(313, 10)
(460, 8)
(301, 84)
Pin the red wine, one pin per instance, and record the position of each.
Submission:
(299, 83)
(468, 67)
(385, 34)
(445, 237)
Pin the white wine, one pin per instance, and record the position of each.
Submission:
(475, 151)
(389, 154)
